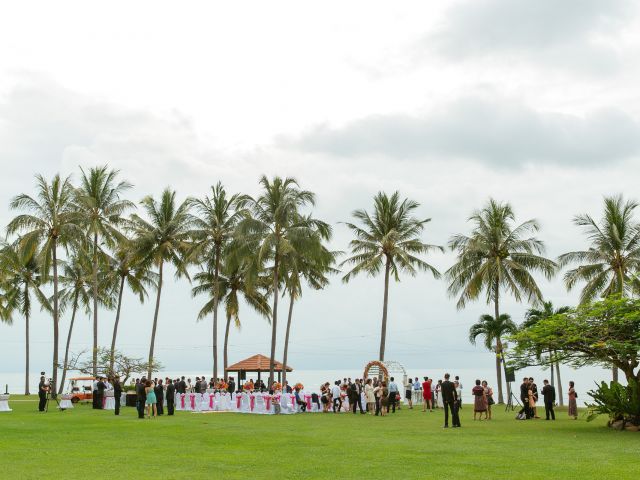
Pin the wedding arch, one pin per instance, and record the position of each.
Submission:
(384, 370)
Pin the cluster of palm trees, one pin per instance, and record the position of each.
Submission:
(78, 247)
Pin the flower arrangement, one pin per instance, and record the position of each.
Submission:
(277, 386)
(298, 386)
(247, 387)
(222, 385)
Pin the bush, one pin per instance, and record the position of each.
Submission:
(618, 401)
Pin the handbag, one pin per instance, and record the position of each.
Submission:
(490, 400)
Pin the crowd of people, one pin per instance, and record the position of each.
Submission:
(372, 396)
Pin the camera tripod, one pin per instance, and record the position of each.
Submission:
(510, 404)
(55, 399)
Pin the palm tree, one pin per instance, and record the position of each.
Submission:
(101, 207)
(164, 238)
(535, 315)
(497, 256)
(613, 257)
(389, 238)
(21, 278)
(51, 222)
(76, 278)
(214, 226)
(233, 281)
(310, 261)
(493, 329)
(274, 224)
(125, 269)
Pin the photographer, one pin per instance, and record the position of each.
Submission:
(43, 388)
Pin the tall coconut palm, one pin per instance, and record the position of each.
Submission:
(164, 238)
(76, 280)
(101, 208)
(311, 261)
(274, 223)
(535, 315)
(21, 279)
(613, 258)
(388, 239)
(126, 269)
(52, 221)
(233, 282)
(498, 256)
(493, 329)
(217, 217)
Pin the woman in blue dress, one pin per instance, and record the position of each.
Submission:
(151, 399)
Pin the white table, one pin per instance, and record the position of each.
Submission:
(65, 402)
(4, 403)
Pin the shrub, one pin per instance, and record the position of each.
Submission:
(618, 401)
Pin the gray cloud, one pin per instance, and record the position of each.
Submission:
(495, 131)
(562, 33)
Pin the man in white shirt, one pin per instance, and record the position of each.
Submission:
(335, 393)
(393, 391)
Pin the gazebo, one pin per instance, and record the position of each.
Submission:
(257, 363)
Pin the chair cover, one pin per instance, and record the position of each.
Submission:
(260, 406)
(65, 402)
(4, 403)
(245, 403)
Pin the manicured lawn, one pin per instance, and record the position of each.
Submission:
(83, 442)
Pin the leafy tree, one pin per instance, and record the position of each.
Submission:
(164, 238)
(21, 279)
(126, 269)
(101, 209)
(606, 332)
(388, 239)
(494, 331)
(613, 257)
(217, 217)
(497, 256)
(532, 317)
(233, 282)
(123, 366)
(274, 224)
(52, 221)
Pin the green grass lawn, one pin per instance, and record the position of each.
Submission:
(226, 445)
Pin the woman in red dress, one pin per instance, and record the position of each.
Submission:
(426, 395)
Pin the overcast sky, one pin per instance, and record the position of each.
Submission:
(534, 103)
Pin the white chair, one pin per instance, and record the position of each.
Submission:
(204, 402)
(245, 403)
(4, 403)
(65, 402)
(109, 402)
(123, 399)
(286, 406)
(180, 401)
(259, 406)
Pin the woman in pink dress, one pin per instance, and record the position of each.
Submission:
(573, 404)
(480, 401)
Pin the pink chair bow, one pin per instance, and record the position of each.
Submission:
(182, 400)
(211, 396)
(252, 402)
(267, 402)
(307, 397)
(238, 401)
(192, 401)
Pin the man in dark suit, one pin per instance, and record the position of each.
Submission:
(117, 393)
(171, 396)
(42, 394)
(231, 385)
(182, 386)
(141, 397)
(549, 395)
(196, 387)
(450, 402)
(159, 391)
(524, 397)
(100, 397)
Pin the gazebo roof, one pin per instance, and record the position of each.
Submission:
(256, 363)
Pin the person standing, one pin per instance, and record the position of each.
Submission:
(573, 404)
(152, 409)
(408, 392)
(171, 396)
(549, 396)
(488, 395)
(335, 394)
(449, 402)
(159, 391)
(393, 392)
(384, 398)
(182, 386)
(369, 395)
(231, 387)
(479, 401)
(141, 397)
(426, 395)
(533, 398)
(94, 392)
(117, 393)
(101, 388)
(524, 397)
(42, 394)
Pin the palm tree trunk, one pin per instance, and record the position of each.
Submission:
(95, 305)
(54, 367)
(26, 361)
(66, 350)
(155, 323)
(216, 275)
(559, 390)
(115, 328)
(614, 369)
(286, 341)
(499, 353)
(226, 343)
(385, 304)
(274, 319)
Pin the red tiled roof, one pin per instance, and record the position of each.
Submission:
(257, 363)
